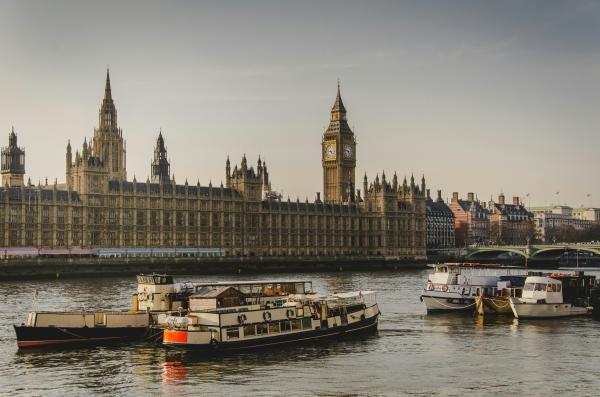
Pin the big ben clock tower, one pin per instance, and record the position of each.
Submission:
(338, 156)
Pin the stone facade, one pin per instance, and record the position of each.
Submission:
(440, 223)
(99, 207)
(554, 217)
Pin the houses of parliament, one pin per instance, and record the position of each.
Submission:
(97, 206)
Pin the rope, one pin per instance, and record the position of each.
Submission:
(69, 333)
(451, 307)
(506, 303)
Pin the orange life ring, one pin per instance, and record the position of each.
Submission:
(445, 288)
(429, 285)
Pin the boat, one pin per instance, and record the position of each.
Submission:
(543, 298)
(497, 301)
(225, 319)
(455, 286)
(44, 329)
(156, 298)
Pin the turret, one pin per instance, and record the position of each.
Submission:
(13, 162)
(160, 166)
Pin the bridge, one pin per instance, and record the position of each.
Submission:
(532, 252)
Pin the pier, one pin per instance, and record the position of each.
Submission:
(48, 268)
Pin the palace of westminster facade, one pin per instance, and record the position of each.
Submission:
(98, 207)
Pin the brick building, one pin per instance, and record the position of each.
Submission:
(471, 220)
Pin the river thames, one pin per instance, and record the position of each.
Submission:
(411, 354)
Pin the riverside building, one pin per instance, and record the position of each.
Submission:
(98, 206)
(440, 223)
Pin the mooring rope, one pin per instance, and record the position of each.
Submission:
(451, 307)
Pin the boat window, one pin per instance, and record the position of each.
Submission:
(233, 333)
(540, 287)
(528, 287)
(285, 326)
(296, 324)
(249, 330)
(306, 323)
(261, 329)
(273, 327)
(558, 287)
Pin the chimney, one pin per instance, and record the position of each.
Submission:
(501, 198)
(470, 196)
(515, 201)
(439, 196)
(454, 196)
(318, 197)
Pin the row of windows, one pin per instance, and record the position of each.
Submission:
(270, 328)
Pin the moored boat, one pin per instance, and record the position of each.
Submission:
(157, 298)
(240, 323)
(543, 298)
(79, 328)
(455, 286)
(497, 301)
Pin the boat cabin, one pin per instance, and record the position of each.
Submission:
(544, 289)
(210, 298)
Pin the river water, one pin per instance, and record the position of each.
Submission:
(412, 353)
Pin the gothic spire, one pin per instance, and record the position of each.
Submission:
(107, 92)
(108, 112)
(338, 106)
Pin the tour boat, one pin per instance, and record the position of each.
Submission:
(543, 298)
(455, 286)
(226, 319)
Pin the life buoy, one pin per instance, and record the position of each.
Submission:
(267, 316)
(289, 313)
(242, 318)
(445, 288)
(429, 285)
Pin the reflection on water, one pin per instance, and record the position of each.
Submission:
(412, 353)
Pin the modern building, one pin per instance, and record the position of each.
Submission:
(440, 223)
(471, 220)
(554, 217)
(98, 206)
(510, 224)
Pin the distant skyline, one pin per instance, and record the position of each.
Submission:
(480, 97)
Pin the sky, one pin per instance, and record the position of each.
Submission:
(478, 96)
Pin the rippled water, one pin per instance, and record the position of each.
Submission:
(412, 353)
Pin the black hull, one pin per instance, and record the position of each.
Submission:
(28, 337)
(364, 326)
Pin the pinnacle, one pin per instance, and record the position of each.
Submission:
(107, 87)
(338, 106)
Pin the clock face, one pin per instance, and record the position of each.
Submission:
(348, 151)
(330, 151)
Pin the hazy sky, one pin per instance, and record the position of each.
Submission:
(479, 96)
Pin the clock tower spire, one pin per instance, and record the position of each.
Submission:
(338, 155)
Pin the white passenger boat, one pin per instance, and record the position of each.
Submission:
(227, 319)
(543, 298)
(455, 286)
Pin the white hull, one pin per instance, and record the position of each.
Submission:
(439, 301)
(546, 310)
